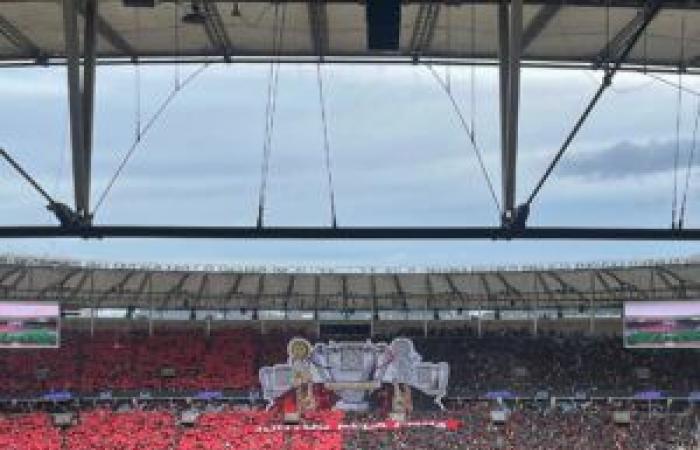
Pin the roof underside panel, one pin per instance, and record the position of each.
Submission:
(557, 32)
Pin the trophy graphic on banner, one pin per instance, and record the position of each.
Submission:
(352, 370)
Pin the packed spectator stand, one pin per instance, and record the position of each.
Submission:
(228, 359)
(180, 363)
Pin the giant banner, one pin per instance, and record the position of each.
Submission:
(353, 369)
(384, 425)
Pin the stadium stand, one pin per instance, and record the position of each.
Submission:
(29, 432)
(229, 359)
(131, 430)
(587, 426)
(559, 383)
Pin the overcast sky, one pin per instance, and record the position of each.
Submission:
(399, 157)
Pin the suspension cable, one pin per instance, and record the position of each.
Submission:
(176, 12)
(689, 167)
(679, 115)
(326, 146)
(610, 72)
(470, 134)
(147, 127)
(674, 85)
(270, 109)
(472, 78)
(676, 155)
(137, 81)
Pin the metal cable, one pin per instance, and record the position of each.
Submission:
(676, 156)
(326, 146)
(472, 78)
(270, 109)
(149, 124)
(137, 80)
(470, 134)
(610, 72)
(674, 85)
(176, 12)
(689, 167)
(679, 116)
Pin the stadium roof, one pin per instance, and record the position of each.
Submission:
(91, 285)
(572, 32)
(612, 35)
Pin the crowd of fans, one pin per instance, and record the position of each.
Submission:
(181, 361)
(569, 368)
(581, 426)
(561, 364)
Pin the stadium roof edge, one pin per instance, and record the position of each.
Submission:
(33, 261)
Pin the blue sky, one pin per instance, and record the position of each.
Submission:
(399, 157)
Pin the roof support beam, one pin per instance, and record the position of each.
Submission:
(619, 53)
(373, 293)
(613, 50)
(538, 23)
(679, 288)
(486, 286)
(20, 40)
(401, 293)
(317, 294)
(510, 289)
(261, 291)
(350, 233)
(117, 287)
(424, 29)
(233, 291)
(626, 284)
(146, 282)
(109, 34)
(81, 95)
(175, 290)
(203, 287)
(79, 286)
(318, 24)
(216, 30)
(289, 293)
(430, 293)
(603, 281)
(544, 285)
(7, 275)
(58, 285)
(566, 287)
(344, 291)
(661, 275)
(510, 34)
(456, 292)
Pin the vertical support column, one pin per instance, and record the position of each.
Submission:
(591, 323)
(503, 80)
(88, 94)
(515, 46)
(81, 94)
(510, 30)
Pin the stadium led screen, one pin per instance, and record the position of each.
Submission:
(29, 325)
(674, 324)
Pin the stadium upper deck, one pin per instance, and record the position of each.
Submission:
(211, 287)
